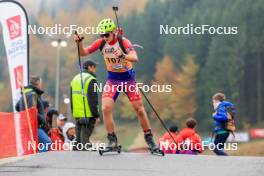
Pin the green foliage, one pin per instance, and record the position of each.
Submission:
(228, 63)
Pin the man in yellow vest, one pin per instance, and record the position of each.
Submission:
(84, 103)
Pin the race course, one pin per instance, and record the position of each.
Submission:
(131, 164)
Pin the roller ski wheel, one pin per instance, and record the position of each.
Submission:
(156, 151)
(110, 149)
(152, 146)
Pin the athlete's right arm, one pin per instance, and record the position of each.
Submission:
(82, 50)
(90, 49)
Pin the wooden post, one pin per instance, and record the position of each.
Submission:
(27, 112)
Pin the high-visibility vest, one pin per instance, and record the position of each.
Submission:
(80, 98)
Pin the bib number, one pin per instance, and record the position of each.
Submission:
(117, 61)
(114, 60)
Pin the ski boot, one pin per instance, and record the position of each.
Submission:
(112, 145)
(153, 148)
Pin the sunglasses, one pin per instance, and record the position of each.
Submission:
(106, 35)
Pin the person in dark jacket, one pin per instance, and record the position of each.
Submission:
(85, 107)
(51, 117)
(33, 94)
(46, 106)
(220, 118)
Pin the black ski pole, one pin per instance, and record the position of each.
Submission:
(80, 68)
(156, 113)
(154, 110)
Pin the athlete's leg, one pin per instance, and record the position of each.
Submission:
(135, 98)
(144, 121)
(141, 114)
(109, 96)
(107, 109)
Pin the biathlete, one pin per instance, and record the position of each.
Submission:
(119, 55)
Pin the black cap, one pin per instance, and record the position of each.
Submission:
(88, 63)
(173, 128)
(52, 112)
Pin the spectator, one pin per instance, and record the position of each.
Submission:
(190, 141)
(69, 136)
(85, 108)
(45, 106)
(56, 134)
(224, 121)
(33, 94)
(167, 143)
(51, 118)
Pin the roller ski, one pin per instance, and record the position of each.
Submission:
(152, 146)
(112, 145)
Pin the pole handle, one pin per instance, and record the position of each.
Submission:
(115, 9)
(80, 38)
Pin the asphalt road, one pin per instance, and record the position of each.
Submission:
(132, 164)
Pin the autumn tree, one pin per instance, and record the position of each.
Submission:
(185, 89)
(180, 102)
(165, 75)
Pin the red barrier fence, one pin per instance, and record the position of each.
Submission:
(257, 133)
(15, 134)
